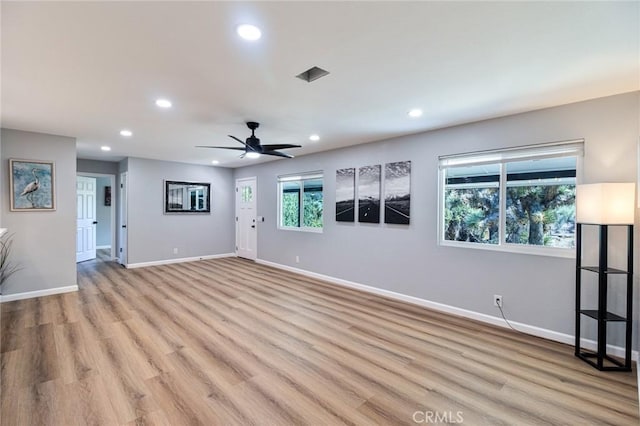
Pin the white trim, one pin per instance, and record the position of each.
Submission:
(121, 245)
(441, 307)
(37, 293)
(517, 153)
(103, 247)
(567, 253)
(181, 260)
(301, 229)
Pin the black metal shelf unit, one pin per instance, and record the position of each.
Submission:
(601, 314)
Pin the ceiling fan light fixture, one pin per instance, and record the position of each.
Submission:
(249, 32)
(314, 138)
(253, 155)
(126, 133)
(215, 162)
(105, 148)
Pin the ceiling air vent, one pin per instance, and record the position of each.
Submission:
(312, 74)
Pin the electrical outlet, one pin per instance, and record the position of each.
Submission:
(497, 300)
(297, 259)
(175, 250)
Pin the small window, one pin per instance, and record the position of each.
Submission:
(471, 204)
(247, 195)
(541, 202)
(520, 199)
(301, 202)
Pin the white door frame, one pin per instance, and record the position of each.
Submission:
(123, 243)
(237, 215)
(112, 182)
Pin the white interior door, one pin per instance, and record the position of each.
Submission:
(246, 224)
(122, 246)
(86, 212)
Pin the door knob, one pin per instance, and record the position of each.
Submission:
(124, 226)
(95, 222)
(253, 226)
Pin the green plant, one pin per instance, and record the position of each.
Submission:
(7, 267)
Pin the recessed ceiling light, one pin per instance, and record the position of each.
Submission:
(253, 155)
(163, 103)
(249, 32)
(415, 113)
(314, 138)
(105, 148)
(126, 133)
(215, 162)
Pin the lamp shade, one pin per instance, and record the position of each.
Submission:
(606, 203)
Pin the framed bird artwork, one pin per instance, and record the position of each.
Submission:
(32, 185)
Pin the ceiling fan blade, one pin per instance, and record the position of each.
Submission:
(277, 154)
(242, 142)
(280, 146)
(222, 147)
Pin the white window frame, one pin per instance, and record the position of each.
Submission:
(301, 178)
(572, 148)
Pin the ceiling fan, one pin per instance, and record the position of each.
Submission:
(252, 147)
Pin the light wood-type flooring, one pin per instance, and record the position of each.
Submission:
(230, 342)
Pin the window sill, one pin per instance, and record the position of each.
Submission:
(514, 248)
(311, 230)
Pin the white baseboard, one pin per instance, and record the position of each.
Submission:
(103, 247)
(37, 293)
(489, 319)
(181, 260)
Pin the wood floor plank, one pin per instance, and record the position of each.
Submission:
(91, 404)
(181, 403)
(231, 342)
(76, 360)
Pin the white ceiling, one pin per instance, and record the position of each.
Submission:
(90, 69)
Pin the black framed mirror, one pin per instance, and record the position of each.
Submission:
(187, 197)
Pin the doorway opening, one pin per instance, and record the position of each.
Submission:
(96, 217)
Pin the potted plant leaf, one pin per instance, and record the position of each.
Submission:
(7, 267)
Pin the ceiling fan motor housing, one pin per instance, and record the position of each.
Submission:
(254, 143)
(252, 140)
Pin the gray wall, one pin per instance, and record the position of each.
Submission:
(537, 290)
(44, 242)
(153, 235)
(96, 166)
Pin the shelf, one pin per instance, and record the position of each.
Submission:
(607, 270)
(593, 313)
(613, 363)
(599, 358)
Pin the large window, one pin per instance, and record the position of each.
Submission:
(300, 202)
(519, 199)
